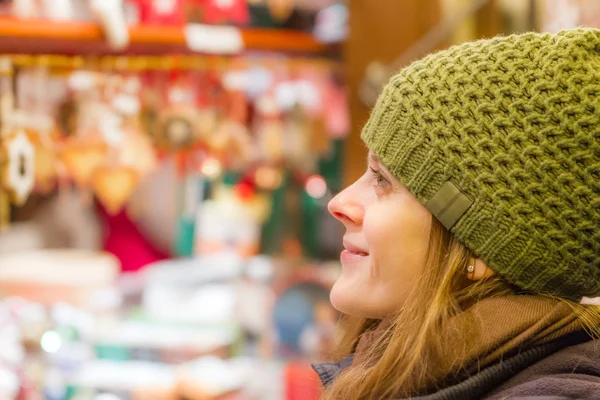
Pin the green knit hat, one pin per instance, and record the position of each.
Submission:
(500, 139)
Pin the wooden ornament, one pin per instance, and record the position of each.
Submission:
(177, 128)
(4, 210)
(82, 159)
(149, 121)
(45, 170)
(114, 186)
(18, 175)
(67, 117)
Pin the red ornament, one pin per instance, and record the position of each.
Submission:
(244, 191)
(161, 12)
(222, 11)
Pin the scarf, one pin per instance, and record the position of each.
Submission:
(496, 327)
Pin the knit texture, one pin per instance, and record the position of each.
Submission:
(514, 123)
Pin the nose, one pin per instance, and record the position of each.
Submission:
(346, 208)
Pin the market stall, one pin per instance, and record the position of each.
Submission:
(247, 104)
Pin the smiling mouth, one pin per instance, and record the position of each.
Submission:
(350, 256)
(357, 253)
(352, 253)
(349, 247)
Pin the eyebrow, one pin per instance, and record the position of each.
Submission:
(373, 157)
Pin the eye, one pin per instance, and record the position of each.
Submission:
(379, 179)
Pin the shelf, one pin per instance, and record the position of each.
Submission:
(85, 38)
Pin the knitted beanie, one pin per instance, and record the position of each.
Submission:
(500, 139)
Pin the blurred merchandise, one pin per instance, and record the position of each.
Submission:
(237, 130)
(197, 330)
(164, 172)
(53, 276)
(115, 15)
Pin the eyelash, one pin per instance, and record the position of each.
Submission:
(380, 180)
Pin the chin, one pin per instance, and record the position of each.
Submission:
(345, 297)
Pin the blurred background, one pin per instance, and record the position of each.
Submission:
(165, 167)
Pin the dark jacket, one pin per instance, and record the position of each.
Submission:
(568, 368)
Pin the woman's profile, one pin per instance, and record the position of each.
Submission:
(471, 262)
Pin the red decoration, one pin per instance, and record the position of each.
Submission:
(222, 11)
(161, 12)
(244, 191)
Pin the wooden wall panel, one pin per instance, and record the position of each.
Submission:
(380, 30)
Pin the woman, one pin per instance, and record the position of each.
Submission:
(472, 247)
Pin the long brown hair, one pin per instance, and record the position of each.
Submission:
(400, 362)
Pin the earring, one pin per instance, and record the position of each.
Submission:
(471, 269)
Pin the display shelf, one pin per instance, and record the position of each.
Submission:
(85, 38)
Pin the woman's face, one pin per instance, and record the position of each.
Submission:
(385, 244)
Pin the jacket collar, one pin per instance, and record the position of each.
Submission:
(328, 371)
(478, 385)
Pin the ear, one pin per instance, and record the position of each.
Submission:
(480, 270)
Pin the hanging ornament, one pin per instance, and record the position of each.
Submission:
(67, 117)
(280, 10)
(223, 11)
(45, 170)
(160, 12)
(114, 185)
(244, 191)
(232, 138)
(19, 177)
(176, 122)
(82, 159)
(177, 128)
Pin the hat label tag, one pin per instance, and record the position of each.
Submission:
(449, 204)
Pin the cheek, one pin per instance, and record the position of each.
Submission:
(398, 238)
(397, 230)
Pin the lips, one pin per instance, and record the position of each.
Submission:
(352, 253)
(355, 249)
